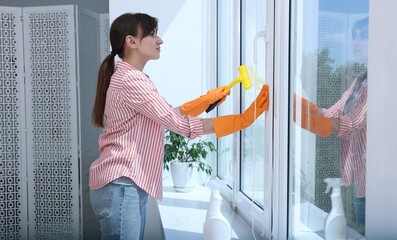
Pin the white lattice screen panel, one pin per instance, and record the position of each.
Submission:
(11, 124)
(104, 35)
(38, 124)
(89, 56)
(52, 121)
(47, 141)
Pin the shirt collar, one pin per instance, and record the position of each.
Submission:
(125, 65)
(362, 76)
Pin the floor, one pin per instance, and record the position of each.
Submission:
(183, 214)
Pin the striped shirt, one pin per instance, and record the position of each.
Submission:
(132, 143)
(353, 134)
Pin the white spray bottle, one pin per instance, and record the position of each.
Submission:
(335, 222)
(216, 226)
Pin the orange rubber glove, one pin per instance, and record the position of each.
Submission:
(226, 125)
(199, 105)
(310, 119)
(306, 106)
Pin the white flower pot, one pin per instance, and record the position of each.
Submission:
(185, 178)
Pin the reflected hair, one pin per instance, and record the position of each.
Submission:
(361, 25)
(135, 24)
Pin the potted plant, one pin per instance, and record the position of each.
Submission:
(185, 159)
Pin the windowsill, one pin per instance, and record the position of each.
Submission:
(183, 214)
(311, 224)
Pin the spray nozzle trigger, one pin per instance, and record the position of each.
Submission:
(333, 182)
(328, 188)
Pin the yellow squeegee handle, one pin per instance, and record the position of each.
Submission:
(235, 81)
(243, 78)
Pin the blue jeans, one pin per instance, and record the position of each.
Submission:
(359, 207)
(120, 207)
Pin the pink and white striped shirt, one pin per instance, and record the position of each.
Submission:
(353, 134)
(132, 143)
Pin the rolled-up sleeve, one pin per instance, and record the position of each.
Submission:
(354, 122)
(357, 119)
(196, 127)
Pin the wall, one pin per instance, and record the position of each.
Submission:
(381, 213)
(178, 74)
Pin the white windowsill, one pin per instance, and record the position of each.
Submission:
(311, 223)
(183, 214)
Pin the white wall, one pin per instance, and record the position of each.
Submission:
(179, 73)
(381, 212)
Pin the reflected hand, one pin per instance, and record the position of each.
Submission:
(310, 119)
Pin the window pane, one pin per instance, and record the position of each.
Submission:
(226, 73)
(328, 68)
(253, 138)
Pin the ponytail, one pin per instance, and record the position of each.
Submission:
(122, 26)
(105, 72)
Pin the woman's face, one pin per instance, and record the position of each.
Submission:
(360, 46)
(150, 46)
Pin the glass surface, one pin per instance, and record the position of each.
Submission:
(253, 138)
(226, 74)
(328, 64)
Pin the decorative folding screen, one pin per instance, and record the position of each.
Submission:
(89, 58)
(43, 117)
(12, 121)
(52, 127)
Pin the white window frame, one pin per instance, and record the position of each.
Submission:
(263, 220)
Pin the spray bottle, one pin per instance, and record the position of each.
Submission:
(216, 226)
(335, 222)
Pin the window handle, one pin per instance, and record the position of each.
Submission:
(261, 34)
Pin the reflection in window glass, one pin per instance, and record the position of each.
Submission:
(328, 108)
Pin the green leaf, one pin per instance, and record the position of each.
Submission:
(179, 147)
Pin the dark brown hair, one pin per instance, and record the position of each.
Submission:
(134, 24)
(361, 25)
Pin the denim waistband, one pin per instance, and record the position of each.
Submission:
(124, 181)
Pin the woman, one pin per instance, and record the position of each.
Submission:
(134, 117)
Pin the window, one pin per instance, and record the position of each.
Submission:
(244, 158)
(228, 59)
(328, 68)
